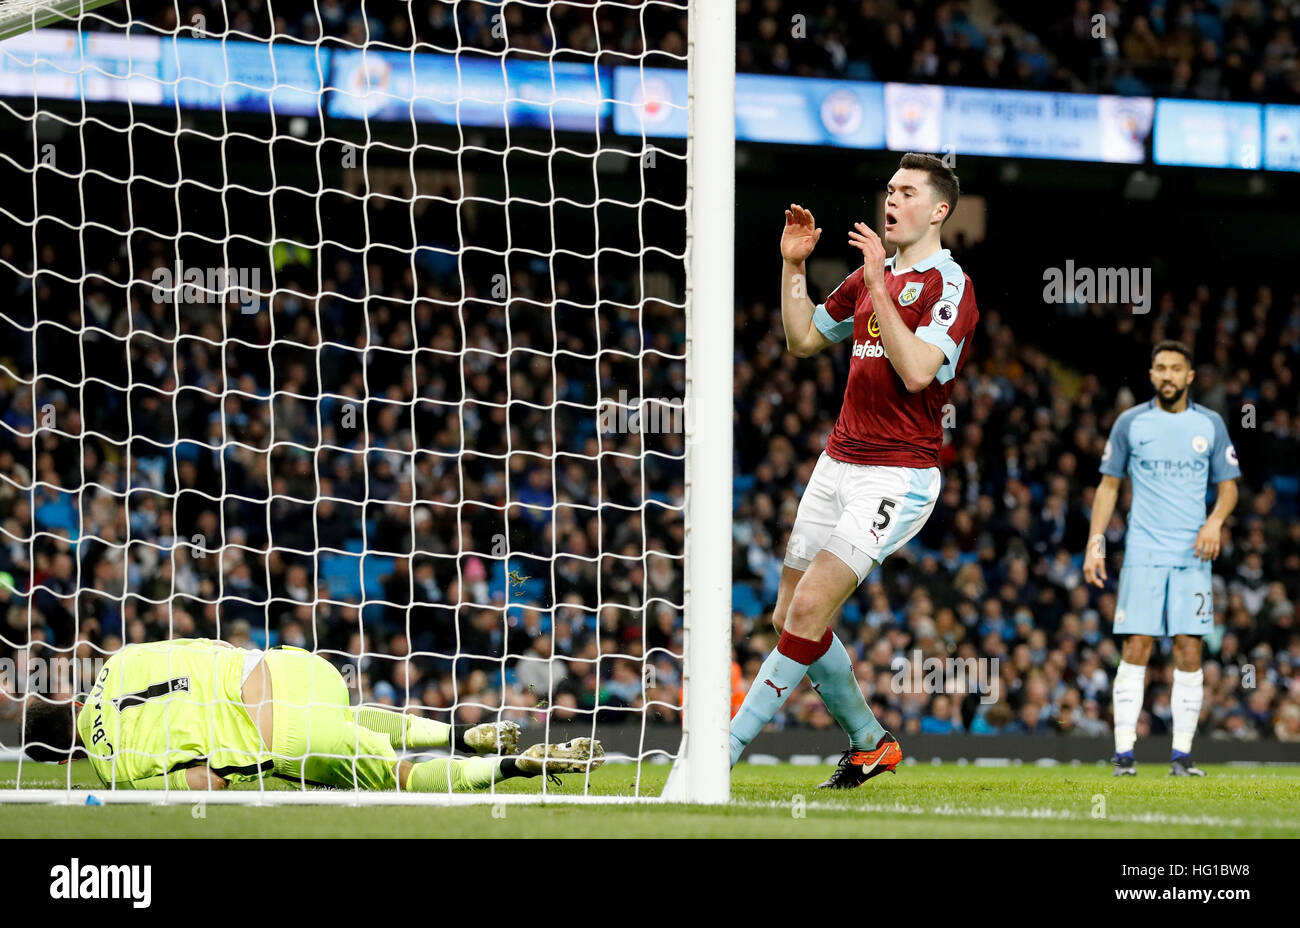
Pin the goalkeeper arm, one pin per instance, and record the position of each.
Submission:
(189, 778)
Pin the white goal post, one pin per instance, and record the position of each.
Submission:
(474, 392)
(703, 771)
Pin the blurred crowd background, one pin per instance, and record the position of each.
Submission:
(995, 572)
(447, 489)
(441, 490)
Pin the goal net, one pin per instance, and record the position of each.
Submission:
(396, 332)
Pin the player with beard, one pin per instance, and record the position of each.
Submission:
(1171, 449)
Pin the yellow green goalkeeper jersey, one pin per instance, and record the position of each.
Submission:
(159, 708)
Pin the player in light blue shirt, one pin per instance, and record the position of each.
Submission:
(1172, 450)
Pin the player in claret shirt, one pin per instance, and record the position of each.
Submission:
(910, 317)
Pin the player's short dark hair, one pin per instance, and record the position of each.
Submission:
(48, 732)
(1170, 344)
(942, 178)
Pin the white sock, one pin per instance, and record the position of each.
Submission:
(1126, 700)
(1185, 701)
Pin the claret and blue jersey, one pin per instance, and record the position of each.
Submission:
(880, 422)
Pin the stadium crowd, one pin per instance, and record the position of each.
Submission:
(450, 500)
(264, 543)
(1209, 49)
(296, 534)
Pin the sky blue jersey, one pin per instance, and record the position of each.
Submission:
(1172, 458)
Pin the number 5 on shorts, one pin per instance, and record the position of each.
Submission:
(885, 515)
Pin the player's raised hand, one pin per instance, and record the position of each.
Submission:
(1094, 562)
(800, 235)
(873, 253)
(1208, 540)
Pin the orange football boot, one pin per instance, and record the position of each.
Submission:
(857, 767)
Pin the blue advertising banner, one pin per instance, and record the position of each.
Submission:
(1017, 123)
(904, 117)
(148, 70)
(63, 64)
(1208, 134)
(486, 91)
(1281, 137)
(651, 101)
(245, 76)
(468, 91)
(796, 111)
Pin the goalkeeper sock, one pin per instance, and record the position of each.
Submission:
(1185, 701)
(411, 731)
(832, 676)
(1126, 701)
(778, 676)
(453, 773)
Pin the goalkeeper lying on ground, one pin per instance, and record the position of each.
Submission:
(198, 714)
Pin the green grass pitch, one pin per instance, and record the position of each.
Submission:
(768, 801)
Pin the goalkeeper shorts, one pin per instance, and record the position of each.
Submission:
(317, 739)
(861, 513)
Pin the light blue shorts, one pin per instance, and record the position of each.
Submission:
(1165, 601)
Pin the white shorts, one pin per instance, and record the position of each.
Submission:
(251, 660)
(861, 513)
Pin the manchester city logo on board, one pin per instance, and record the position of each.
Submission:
(910, 293)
